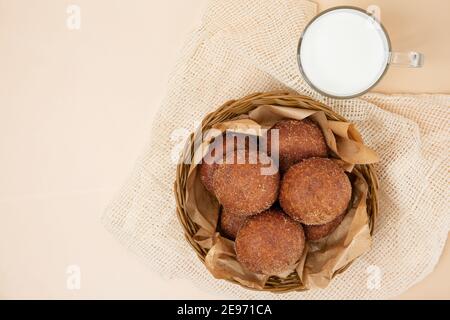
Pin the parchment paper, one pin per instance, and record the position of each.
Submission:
(322, 259)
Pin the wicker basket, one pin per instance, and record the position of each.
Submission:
(231, 110)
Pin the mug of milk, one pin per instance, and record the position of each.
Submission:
(345, 51)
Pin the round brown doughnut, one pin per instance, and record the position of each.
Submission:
(244, 186)
(298, 139)
(270, 242)
(315, 191)
(230, 223)
(206, 172)
(322, 230)
(220, 147)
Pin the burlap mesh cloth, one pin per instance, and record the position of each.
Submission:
(247, 46)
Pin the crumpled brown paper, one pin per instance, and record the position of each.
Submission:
(322, 259)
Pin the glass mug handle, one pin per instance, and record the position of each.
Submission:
(410, 59)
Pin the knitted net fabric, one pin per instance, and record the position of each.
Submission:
(250, 46)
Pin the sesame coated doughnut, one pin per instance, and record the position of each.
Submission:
(270, 242)
(315, 191)
(206, 172)
(230, 223)
(322, 230)
(298, 139)
(218, 148)
(248, 185)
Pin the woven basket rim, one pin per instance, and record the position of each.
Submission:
(232, 109)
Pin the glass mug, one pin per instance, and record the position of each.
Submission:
(345, 51)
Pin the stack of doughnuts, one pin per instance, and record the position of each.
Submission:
(271, 211)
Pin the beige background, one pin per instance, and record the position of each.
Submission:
(75, 112)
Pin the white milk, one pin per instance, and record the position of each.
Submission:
(344, 52)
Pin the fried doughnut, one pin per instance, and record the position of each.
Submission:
(218, 148)
(298, 139)
(322, 230)
(270, 242)
(315, 191)
(206, 172)
(248, 185)
(230, 223)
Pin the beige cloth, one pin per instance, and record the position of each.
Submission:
(247, 46)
